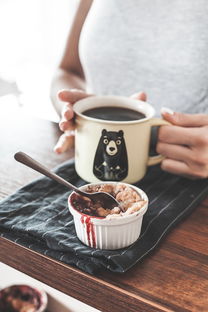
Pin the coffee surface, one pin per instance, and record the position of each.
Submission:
(114, 113)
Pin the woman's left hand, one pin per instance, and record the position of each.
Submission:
(185, 144)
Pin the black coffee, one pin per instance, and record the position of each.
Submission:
(114, 113)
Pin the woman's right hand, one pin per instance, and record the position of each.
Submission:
(66, 123)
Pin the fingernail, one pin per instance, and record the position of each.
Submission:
(60, 93)
(62, 126)
(57, 150)
(62, 90)
(139, 96)
(69, 133)
(166, 110)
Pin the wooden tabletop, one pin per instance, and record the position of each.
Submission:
(173, 278)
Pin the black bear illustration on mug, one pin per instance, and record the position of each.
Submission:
(111, 160)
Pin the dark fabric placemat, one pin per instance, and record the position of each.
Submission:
(37, 217)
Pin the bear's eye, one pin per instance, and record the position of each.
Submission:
(118, 142)
(105, 141)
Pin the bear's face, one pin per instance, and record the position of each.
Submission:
(111, 160)
(112, 142)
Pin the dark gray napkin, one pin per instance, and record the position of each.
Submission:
(37, 217)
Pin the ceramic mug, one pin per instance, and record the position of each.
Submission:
(107, 150)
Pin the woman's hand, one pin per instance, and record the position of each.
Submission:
(66, 123)
(185, 144)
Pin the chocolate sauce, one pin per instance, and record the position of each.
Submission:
(114, 113)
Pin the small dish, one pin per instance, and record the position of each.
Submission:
(113, 231)
(22, 298)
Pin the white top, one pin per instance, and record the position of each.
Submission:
(159, 46)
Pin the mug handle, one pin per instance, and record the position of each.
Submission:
(153, 160)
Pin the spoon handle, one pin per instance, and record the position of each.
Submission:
(32, 163)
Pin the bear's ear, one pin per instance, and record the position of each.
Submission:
(120, 133)
(104, 132)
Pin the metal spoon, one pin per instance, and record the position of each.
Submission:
(107, 200)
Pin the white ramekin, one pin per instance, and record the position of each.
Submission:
(113, 233)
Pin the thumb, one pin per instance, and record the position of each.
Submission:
(184, 120)
(139, 96)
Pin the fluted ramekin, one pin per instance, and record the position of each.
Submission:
(109, 233)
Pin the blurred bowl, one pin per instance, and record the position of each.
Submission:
(22, 298)
(108, 233)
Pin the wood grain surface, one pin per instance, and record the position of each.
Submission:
(173, 278)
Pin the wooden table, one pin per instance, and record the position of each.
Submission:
(173, 278)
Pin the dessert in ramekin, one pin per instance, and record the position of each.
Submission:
(22, 298)
(99, 227)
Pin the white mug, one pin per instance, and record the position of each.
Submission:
(108, 150)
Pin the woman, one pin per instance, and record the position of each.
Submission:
(117, 47)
